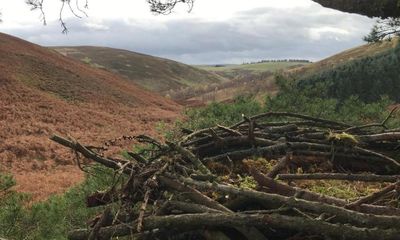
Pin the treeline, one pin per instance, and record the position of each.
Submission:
(369, 78)
(279, 60)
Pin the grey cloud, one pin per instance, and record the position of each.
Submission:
(310, 33)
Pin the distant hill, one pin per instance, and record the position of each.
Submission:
(43, 92)
(369, 72)
(354, 71)
(252, 67)
(254, 78)
(344, 57)
(153, 73)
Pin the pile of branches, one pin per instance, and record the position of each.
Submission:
(191, 188)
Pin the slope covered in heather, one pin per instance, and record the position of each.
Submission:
(43, 92)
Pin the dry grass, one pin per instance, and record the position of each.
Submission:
(42, 93)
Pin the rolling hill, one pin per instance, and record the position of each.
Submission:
(259, 78)
(368, 72)
(43, 92)
(153, 73)
(367, 50)
(244, 79)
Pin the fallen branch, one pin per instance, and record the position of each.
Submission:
(373, 197)
(283, 189)
(340, 176)
(187, 222)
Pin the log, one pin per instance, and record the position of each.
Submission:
(282, 164)
(340, 176)
(186, 153)
(374, 196)
(186, 222)
(294, 115)
(286, 190)
(388, 136)
(187, 207)
(91, 155)
(179, 172)
(198, 197)
(105, 220)
(344, 215)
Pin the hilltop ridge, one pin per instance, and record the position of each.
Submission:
(153, 73)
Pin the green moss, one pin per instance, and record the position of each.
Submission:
(343, 138)
(247, 182)
(341, 189)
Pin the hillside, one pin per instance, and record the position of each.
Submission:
(344, 57)
(43, 92)
(369, 72)
(253, 67)
(254, 78)
(153, 73)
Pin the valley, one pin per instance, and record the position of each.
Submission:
(87, 92)
(105, 96)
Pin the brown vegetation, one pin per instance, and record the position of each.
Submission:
(42, 92)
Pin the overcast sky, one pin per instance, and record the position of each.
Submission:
(216, 31)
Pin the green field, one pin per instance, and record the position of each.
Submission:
(255, 67)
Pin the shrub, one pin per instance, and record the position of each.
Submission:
(222, 113)
(53, 218)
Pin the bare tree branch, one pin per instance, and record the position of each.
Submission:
(156, 6)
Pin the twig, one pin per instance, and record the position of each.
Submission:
(105, 219)
(143, 210)
(229, 130)
(282, 163)
(374, 196)
(186, 153)
(382, 124)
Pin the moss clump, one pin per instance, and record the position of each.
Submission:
(343, 137)
(341, 189)
(247, 182)
(261, 164)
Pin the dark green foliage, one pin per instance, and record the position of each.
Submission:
(6, 182)
(53, 218)
(222, 113)
(368, 78)
(313, 100)
(384, 29)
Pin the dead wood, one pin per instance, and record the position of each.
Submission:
(274, 186)
(184, 187)
(340, 176)
(186, 222)
(105, 220)
(283, 162)
(344, 215)
(374, 196)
